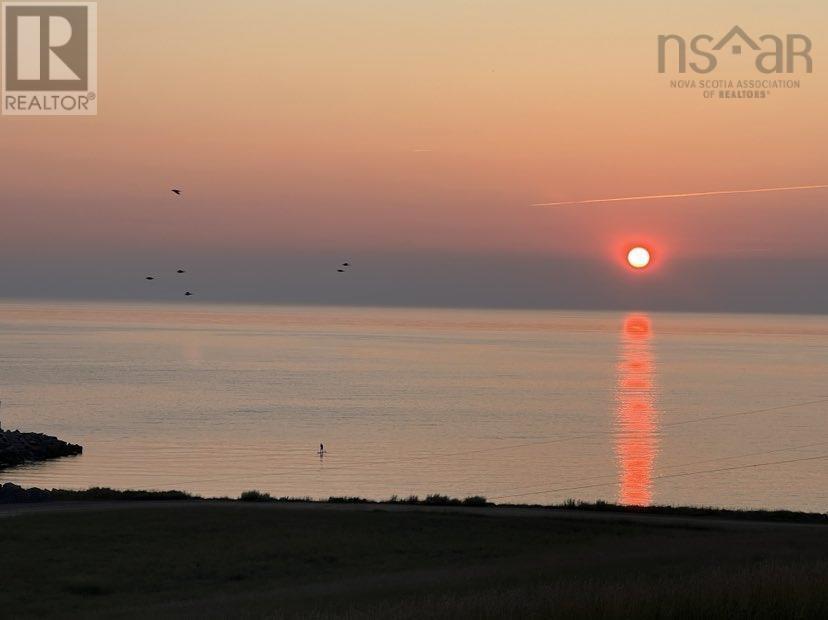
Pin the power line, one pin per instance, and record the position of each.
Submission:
(743, 413)
(352, 464)
(692, 463)
(692, 473)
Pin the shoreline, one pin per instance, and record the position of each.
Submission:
(13, 496)
(551, 513)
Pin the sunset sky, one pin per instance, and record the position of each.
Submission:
(412, 138)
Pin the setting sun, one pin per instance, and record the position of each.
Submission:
(638, 257)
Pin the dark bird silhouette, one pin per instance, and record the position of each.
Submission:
(340, 271)
(188, 294)
(150, 278)
(346, 264)
(177, 192)
(181, 271)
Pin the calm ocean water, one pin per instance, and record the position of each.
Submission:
(725, 410)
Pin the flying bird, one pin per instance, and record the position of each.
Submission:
(346, 264)
(177, 192)
(188, 294)
(181, 271)
(340, 271)
(150, 278)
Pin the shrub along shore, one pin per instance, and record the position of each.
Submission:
(13, 494)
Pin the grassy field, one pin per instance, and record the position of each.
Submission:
(270, 560)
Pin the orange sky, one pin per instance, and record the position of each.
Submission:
(417, 127)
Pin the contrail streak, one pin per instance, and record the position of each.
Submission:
(688, 195)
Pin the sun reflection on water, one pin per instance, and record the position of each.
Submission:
(636, 415)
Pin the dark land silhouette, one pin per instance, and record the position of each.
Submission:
(348, 557)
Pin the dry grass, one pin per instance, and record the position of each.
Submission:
(764, 591)
(251, 560)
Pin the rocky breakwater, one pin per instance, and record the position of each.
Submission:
(17, 448)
